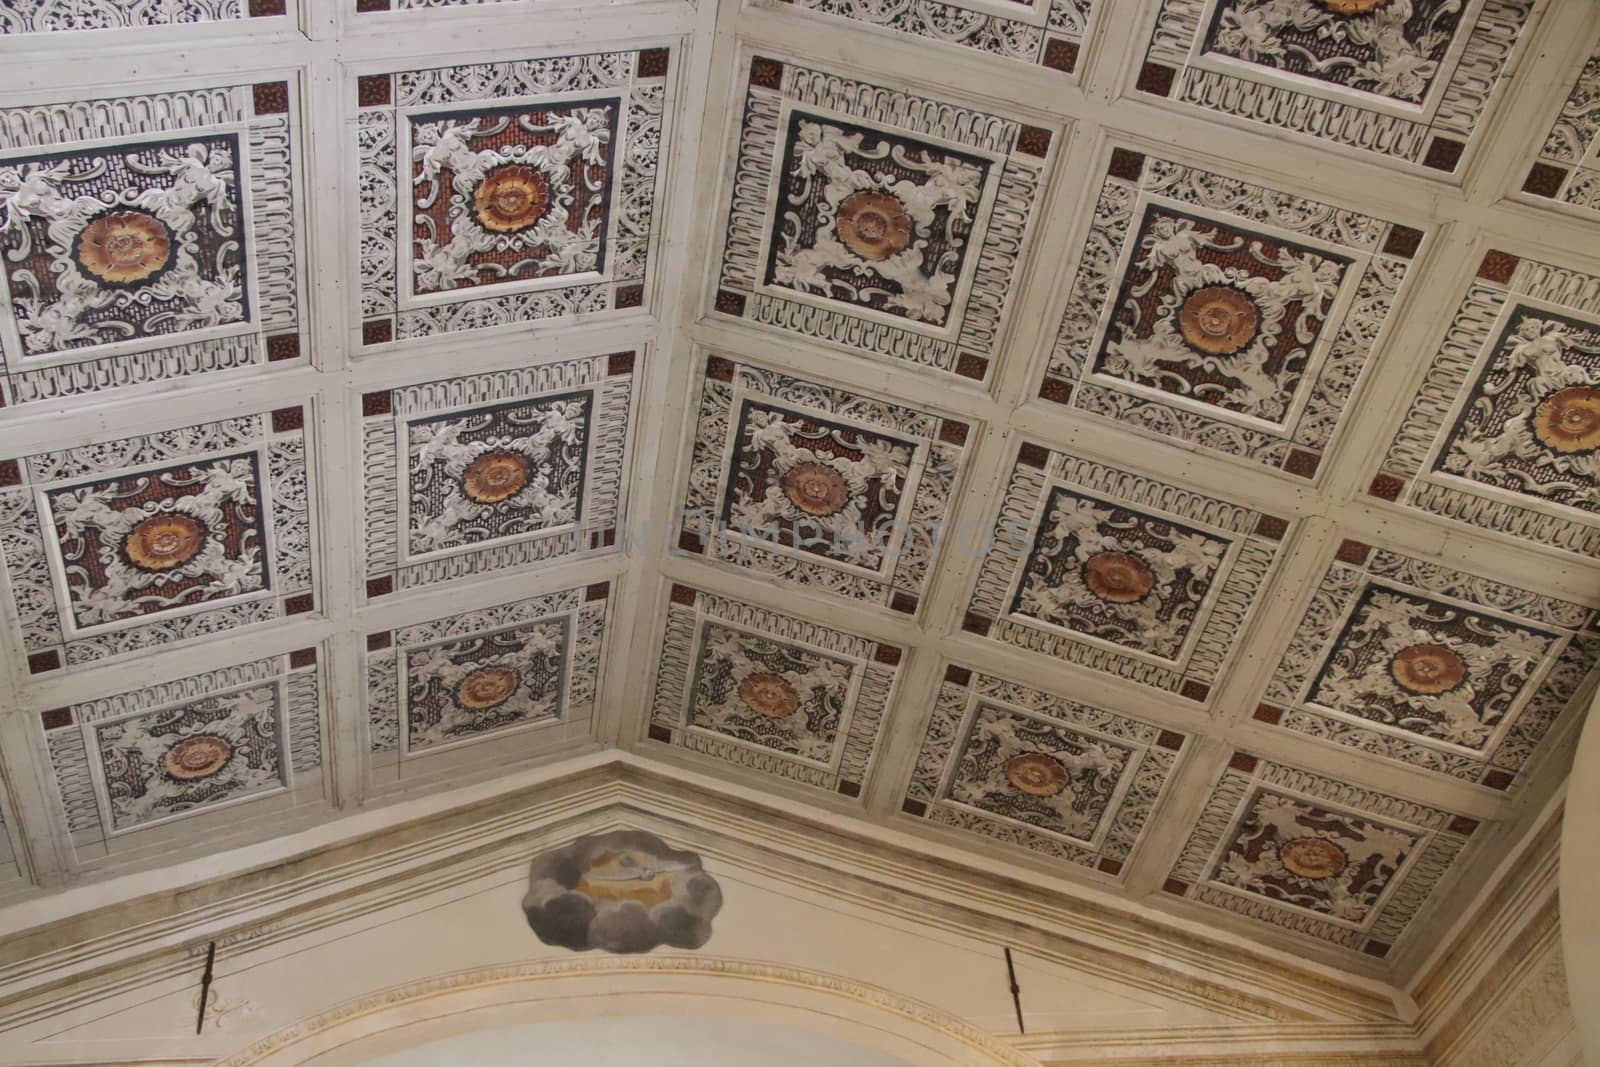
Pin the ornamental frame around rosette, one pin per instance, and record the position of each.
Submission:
(1495, 633)
(1433, 840)
(1485, 367)
(935, 449)
(1240, 546)
(600, 387)
(1433, 132)
(197, 158)
(854, 737)
(637, 88)
(253, 569)
(1049, 33)
(1374, 260)
(963, 703)
(260, 727)
(1018, 160)
(393, 758)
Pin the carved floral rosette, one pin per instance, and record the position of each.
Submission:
(770, 692)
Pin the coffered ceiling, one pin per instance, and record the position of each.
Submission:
(1152, 445)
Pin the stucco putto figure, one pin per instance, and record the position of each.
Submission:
(626, 891)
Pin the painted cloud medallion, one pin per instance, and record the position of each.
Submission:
(626, 891)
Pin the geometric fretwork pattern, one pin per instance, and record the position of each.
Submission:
(770, 692)
(507, 469)
(1223, 314)
(1121, 573)
(523, 675)
(1316, 856)
(885, 239)
(1408, 81)
(819, 486)
(527, 191)
(173, 536)
(1037, 771)
(1505, 429)
(1417, 662)
(139, 259)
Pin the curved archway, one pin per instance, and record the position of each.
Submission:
(495, 998)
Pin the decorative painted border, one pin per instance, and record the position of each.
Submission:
(610, 382)
(1406, 476)
(939, 456)
(1444, 836)
(1256, 543)
(281, 438)
(876, 667)
(1381, 254)
(643, 82)
(1355, 567)
(1054, 41)
(79, 16)
(1022, 156)
(266, 116)
(1436, 139)
(68, 735)
(959, 696)
(586, 610)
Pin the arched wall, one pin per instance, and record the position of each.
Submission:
(491, 998)
(1580, 885)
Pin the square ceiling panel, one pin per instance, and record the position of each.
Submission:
(491, 471)
(1504, 432)
(1026, 768)
(1223, 314)
(60, 16)
(1568, 169)
(1121, 573)
(1424, 664)
(149, 238)
(771, 692)
(247, 738)
(524, 675)
(528, 191)
(1316, 856)
(900, 236)
(1409, 82)
(826, 488)
(1049, 33)
(176, 535)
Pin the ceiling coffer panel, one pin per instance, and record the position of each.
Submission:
(828, 489)
(1223, 314)
(500, 193)
(1067, 780)
(485, 689)
(769, 692)
(169, 537)
(887, 222)
(150, 238)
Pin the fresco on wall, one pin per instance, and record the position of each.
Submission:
(625, 891)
